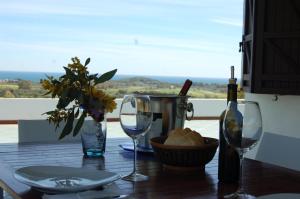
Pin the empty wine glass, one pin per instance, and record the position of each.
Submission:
(242, 129)
(136, 119)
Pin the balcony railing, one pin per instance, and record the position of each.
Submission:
(24, 112)
(14, 109)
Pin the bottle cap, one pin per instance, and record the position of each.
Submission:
(232, 80)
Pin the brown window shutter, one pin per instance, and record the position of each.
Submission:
(271, 47)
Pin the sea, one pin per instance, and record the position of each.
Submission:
(36, 76)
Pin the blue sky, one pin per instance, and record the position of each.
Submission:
(145, 37)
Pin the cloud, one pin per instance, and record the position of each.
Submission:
(128, 33)
(51, 8)
(129, 59)
(154, 8)
(82, 8)
(118, 43)
(228, 21)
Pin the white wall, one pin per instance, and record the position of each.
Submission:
(281, 119)
(32, 108)
(28, 112)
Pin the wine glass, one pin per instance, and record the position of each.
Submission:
(242, 129)
(136, 119)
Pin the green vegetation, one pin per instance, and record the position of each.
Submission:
(7, 86)
(24, 84)
(11, 89)
(121, 87)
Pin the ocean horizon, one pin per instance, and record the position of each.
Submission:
(36, 76)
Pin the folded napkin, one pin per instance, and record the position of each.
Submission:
(109, 191)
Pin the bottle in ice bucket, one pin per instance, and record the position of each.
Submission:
(185, 88)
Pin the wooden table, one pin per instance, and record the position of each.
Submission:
(259, 178)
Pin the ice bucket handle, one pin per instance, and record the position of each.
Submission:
(189, 108)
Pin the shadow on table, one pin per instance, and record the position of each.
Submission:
(93, 162)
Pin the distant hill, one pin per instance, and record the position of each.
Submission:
(36, 76)
(139, 81)
(118, 88)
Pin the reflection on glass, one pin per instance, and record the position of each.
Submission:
(136, 119)
(242, 129)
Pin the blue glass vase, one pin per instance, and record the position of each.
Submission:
(93, 137)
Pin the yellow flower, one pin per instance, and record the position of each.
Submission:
(79, 87)
(76, 66)
(107, 101)
(46, 84)
(111, 105)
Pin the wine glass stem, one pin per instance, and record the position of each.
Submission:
(240, 188)
(135, 154)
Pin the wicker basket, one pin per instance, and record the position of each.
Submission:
(184, 156)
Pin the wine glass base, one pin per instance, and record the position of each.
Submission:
(239, 195)
(135, 177)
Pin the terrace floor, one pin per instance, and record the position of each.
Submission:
(208, 128)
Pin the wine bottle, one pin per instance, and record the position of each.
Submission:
(185, 88)
(229, 163)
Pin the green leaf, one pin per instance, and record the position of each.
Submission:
(87, 61)
(68, 71)
(53, 95)
(80, 98)
(56, 126)
(55, 81)
(49, 77)
(74, 94)
(92, 77)
(105, 77)
(65, 93)
(47, 93)
(68, 127)
(63, 103)
(79, 124)
(48, 113)
(77, 113)
(70, 74)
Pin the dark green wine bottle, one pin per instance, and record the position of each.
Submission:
(229, 162)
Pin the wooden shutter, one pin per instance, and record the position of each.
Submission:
(271, 47)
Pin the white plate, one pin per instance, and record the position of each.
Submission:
(281, 196)
(57, 179)
(128, 146)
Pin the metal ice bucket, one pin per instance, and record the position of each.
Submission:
(169, 112)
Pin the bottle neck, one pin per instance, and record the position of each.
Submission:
(231, 92)
(185, 88)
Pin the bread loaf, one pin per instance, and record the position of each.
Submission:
(184, 137)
